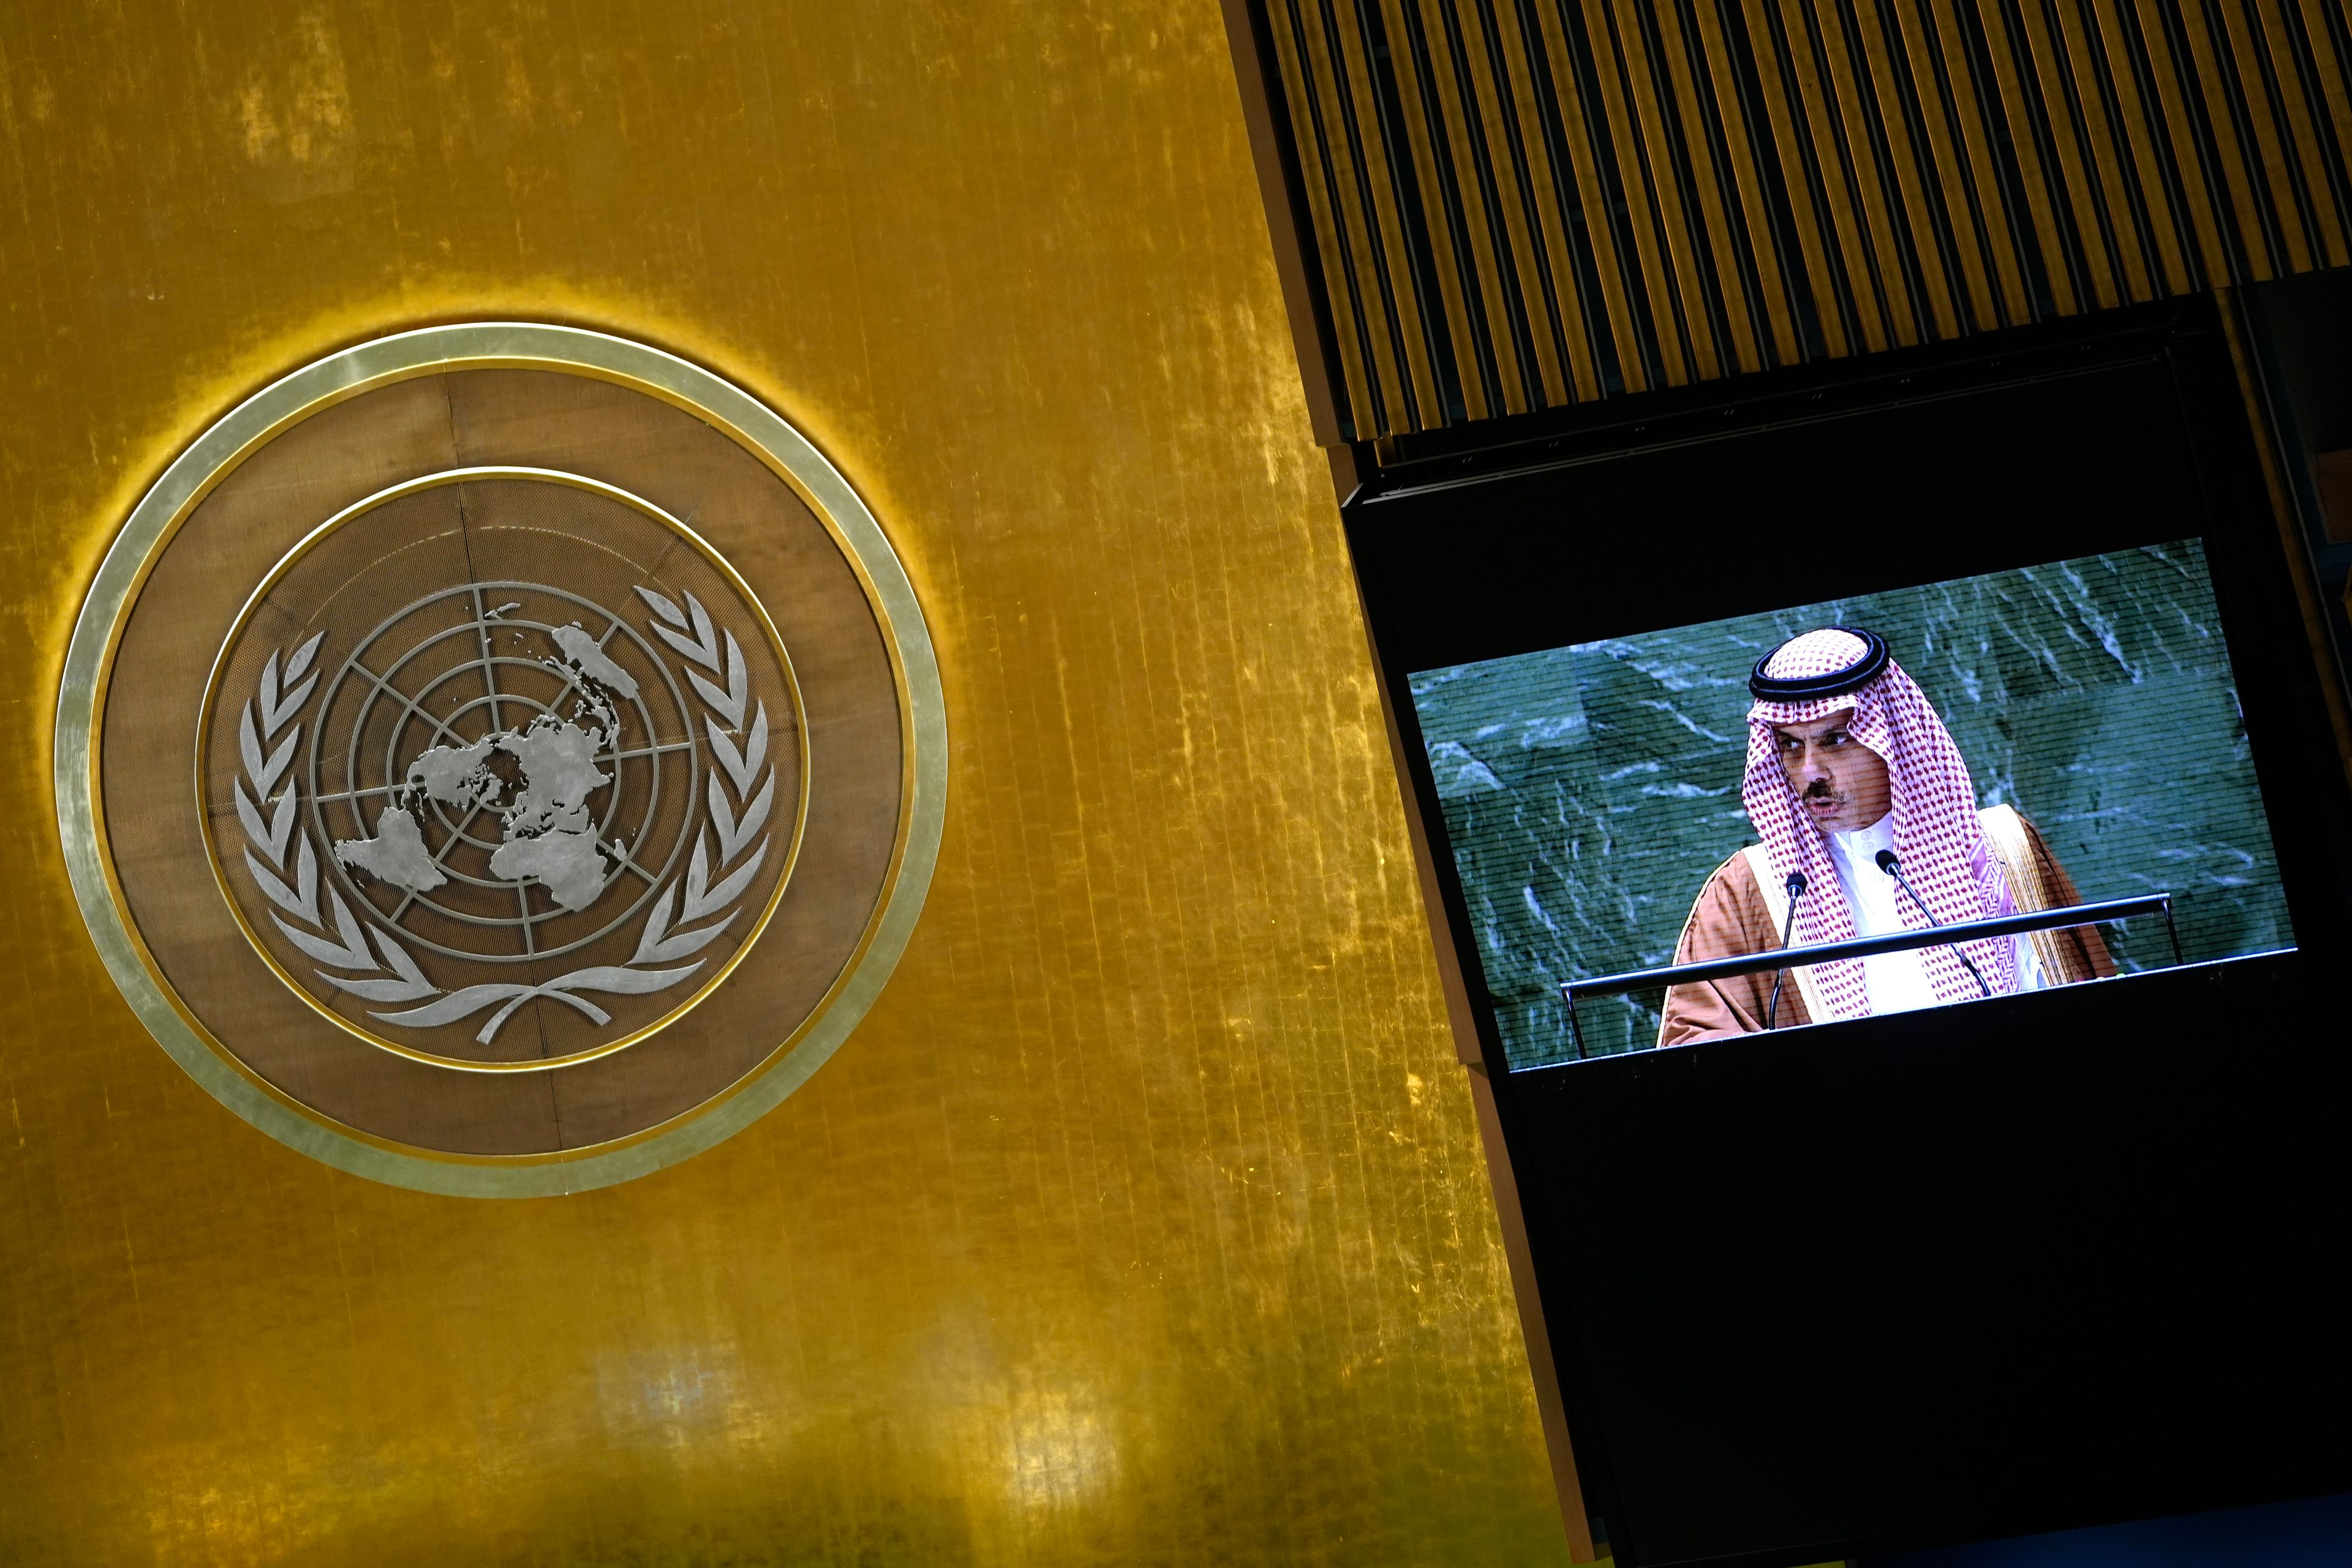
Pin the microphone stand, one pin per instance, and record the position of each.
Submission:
(1893, 867)
(1796, 887)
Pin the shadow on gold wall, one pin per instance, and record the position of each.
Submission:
(1144, 1219)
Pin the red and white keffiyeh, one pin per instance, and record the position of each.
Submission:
(1938, 837)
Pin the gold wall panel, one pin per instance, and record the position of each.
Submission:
(1525, 203)
(1144, 1217)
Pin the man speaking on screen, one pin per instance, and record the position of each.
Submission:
(1869, 826)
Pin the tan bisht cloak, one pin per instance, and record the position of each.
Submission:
(1741, 910)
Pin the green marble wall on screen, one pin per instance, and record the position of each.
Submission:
(1588, 791)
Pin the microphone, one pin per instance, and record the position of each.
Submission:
(1796, 887)
(1893, 867)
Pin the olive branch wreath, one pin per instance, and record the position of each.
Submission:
(386, 973)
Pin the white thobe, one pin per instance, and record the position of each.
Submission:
(1895, 982)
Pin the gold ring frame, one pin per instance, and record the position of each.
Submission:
(322, 384)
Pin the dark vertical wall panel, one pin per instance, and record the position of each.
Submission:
(1523, 204)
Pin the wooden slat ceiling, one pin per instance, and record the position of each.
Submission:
(1521, 204)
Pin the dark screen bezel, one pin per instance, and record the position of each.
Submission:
(2091, 434)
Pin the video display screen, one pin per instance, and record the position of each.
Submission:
(2021, 740)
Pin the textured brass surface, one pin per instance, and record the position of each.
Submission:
(1144, 1219)
(1784, 180)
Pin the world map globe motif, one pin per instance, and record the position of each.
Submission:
(510, 785)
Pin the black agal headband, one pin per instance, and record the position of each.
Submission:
(1836, 683)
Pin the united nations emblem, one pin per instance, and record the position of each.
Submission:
(512, 823)
(567, 767)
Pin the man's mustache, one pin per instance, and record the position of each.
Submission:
(1818, 787)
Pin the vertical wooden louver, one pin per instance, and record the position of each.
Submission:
(1521, 204)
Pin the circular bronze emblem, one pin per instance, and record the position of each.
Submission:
(566, 758)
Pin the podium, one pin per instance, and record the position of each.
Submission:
(1863, 947)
